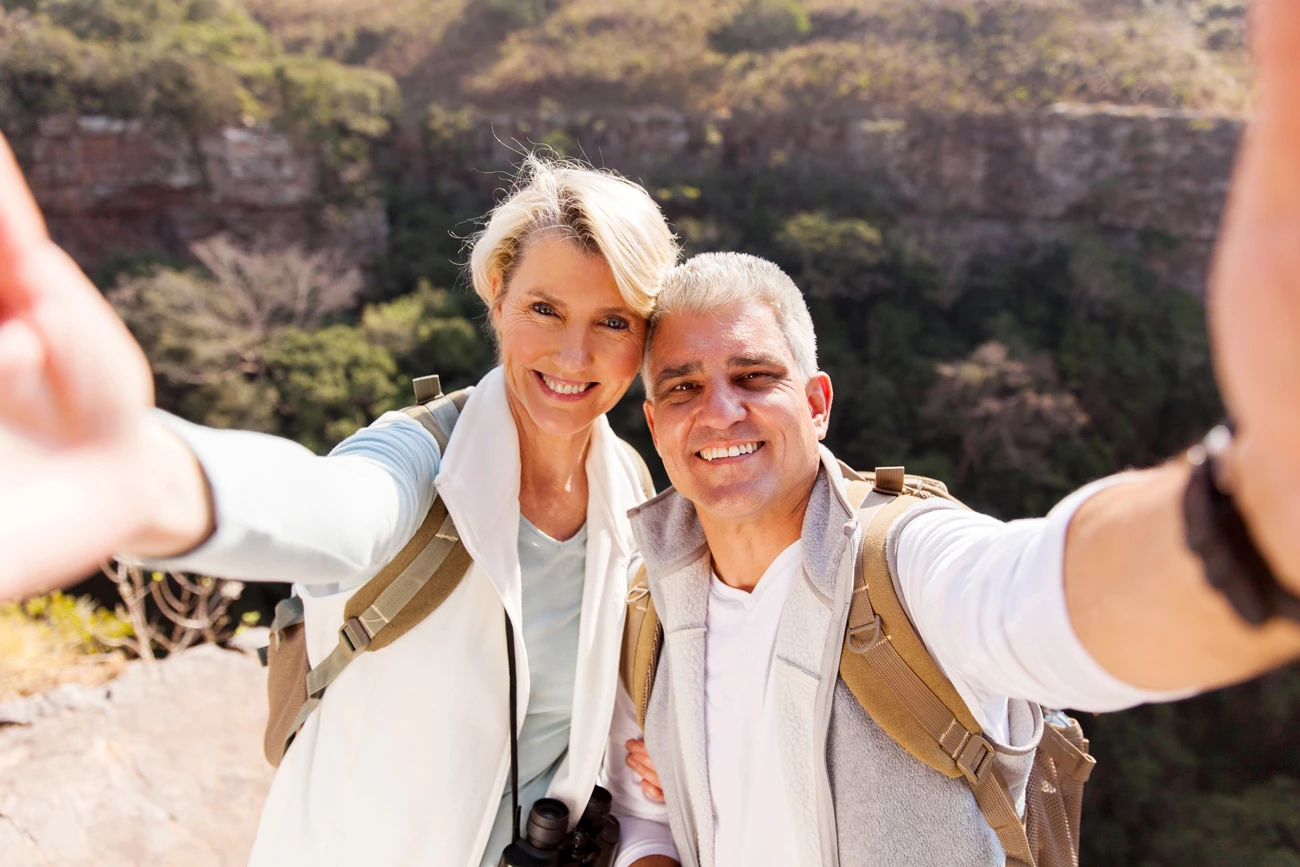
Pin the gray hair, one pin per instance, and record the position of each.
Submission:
(710, 281)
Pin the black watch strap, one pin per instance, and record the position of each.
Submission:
(1233, 565)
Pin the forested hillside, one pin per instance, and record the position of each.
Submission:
(1027, 372)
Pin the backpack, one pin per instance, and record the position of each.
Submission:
(889, 671)
(407, 590)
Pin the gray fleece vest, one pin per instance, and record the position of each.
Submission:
(859, 799)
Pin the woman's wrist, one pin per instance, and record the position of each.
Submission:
(170, 496)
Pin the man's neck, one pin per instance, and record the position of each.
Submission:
(743, 549)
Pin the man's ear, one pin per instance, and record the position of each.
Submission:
(820, 396)
(649, 408)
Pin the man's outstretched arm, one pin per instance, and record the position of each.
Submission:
(1139, 601)
(1137, 597)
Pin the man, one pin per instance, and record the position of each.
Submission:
(763, 755)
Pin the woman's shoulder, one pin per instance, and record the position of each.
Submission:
(396, 440)
(636, 467)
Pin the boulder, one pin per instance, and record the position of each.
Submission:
(162, 766)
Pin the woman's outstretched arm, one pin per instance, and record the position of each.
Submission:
(89, 469)
(83, 470)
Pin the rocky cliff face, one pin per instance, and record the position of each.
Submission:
(113, 189)
(1151, 181)
(162, 766)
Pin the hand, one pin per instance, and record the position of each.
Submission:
(1254, 297)
(74, 390)
(638, 759)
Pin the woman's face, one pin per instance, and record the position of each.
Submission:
(569, 344)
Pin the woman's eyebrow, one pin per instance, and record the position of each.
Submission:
(545, 295)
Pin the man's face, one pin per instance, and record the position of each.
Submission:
(736, 425)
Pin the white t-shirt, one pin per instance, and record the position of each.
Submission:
(988, 598)
(740, 718)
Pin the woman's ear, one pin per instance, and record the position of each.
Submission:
(498, 296)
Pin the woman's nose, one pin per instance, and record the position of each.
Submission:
(575, 349)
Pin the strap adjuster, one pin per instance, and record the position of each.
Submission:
(353, 637)
(862, 645)
(975, 759)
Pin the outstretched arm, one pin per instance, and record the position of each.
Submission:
(88, 470)
(1137, 598)
(76, 445)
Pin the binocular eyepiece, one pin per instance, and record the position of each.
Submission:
(548, 843)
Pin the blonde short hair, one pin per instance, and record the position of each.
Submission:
(606, 215)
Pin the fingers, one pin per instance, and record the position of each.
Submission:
(1271, 168)
(24, 400)
(638, 759)
(654, 793)
(21, 227)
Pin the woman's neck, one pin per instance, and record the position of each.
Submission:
(552, 476)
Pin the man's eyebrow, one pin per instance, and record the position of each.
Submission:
(759, 359)
(676, 372)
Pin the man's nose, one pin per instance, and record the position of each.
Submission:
(723, 407)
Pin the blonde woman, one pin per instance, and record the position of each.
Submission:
(407, 759)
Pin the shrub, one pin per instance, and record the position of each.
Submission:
(762, 25)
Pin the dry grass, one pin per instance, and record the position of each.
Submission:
(53, 643)
(945, 54)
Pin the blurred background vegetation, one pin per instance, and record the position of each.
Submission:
(1024, 378)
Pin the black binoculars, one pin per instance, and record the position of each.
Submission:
(547, 841)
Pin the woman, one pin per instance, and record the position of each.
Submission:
(406, 760)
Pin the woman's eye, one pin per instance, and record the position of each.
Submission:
(614, 322)
(543, 308)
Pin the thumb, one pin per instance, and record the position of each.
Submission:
(22, 230)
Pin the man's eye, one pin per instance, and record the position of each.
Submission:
(614, 322)
(543, 308)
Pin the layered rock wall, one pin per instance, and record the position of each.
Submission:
(1153, 181)
(1150, 181)
(114, 189)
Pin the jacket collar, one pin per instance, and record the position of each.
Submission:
(670, 535)
(478, 479)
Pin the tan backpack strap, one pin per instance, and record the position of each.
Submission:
(439, 414)
(419, 579)
(643, 638)
(411, 587)
(901, 686)
(647, 483)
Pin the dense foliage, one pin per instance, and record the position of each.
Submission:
(190, 65)
(783, 55)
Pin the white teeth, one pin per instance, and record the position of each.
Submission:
(711, 454)
(563, 387)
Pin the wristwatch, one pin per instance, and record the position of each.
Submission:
(1218, 535)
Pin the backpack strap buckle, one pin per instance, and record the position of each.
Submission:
(975, 760)
(862, 644)
(353, 637)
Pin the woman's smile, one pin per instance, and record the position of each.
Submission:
(564, 389)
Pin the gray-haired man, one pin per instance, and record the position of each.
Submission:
(763, 754)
